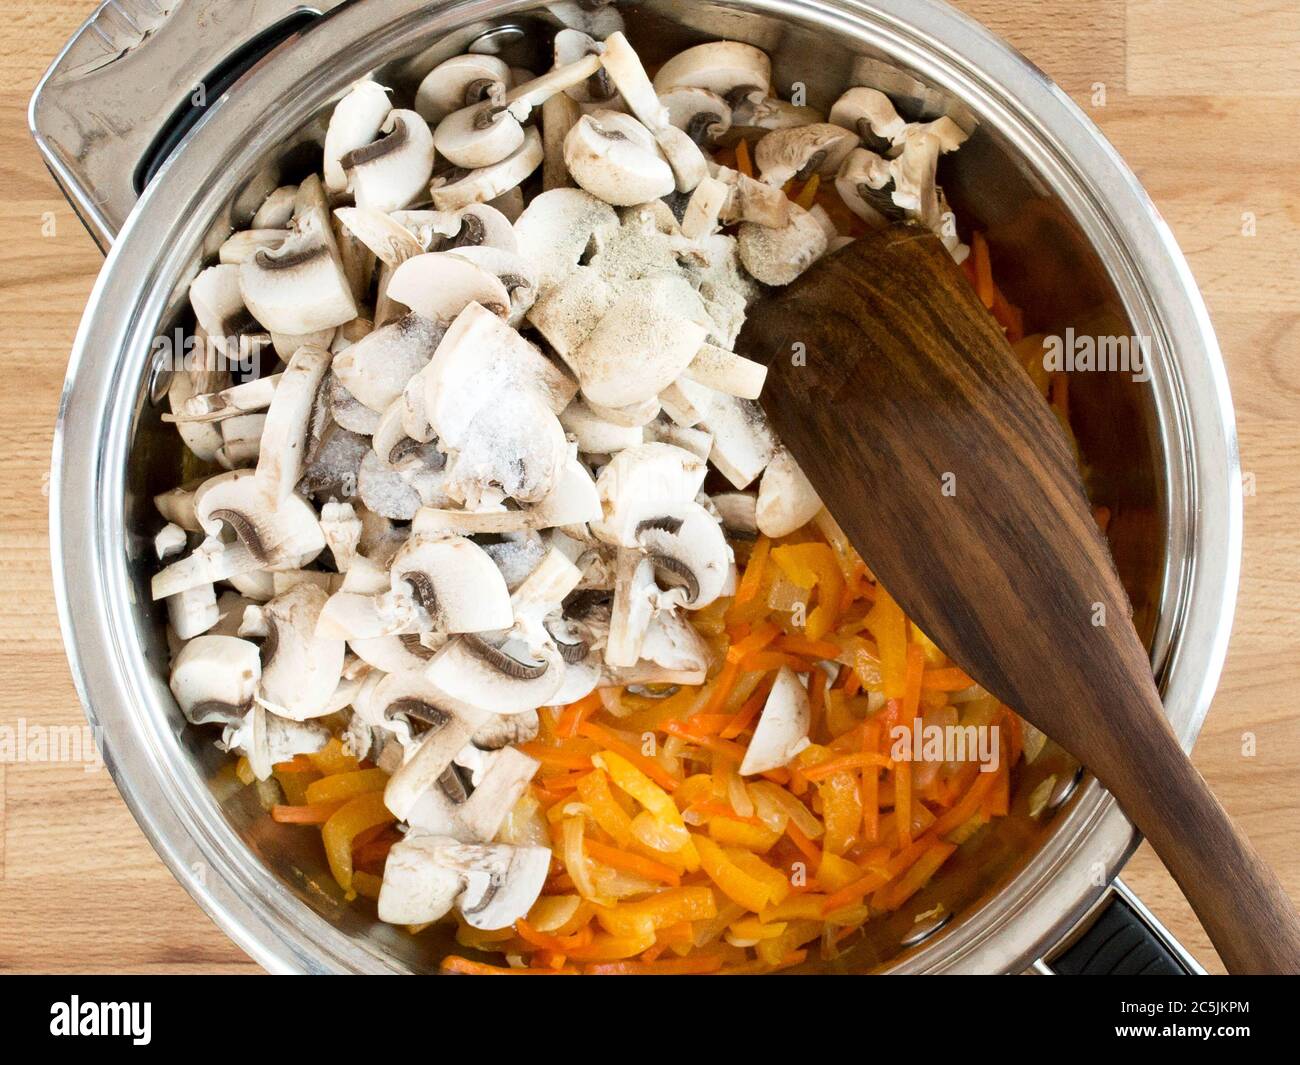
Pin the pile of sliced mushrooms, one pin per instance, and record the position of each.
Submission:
(475, 485)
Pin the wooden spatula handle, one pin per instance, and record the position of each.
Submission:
(1240, 902)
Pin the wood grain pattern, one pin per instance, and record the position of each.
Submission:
(959, 489)
(1188, 150)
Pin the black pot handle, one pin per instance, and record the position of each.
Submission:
(1120, 937)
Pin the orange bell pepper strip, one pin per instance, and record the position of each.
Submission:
(613, 948)
(339, 787)
(629, 778)
(733, 832)
(332, 758)
(948, 679)
(352, 818)
(916, 877)
(661, 910)
(593, 790)
(575, 713)
(742, 887)
(887, 624)
(813, 565)
(848, 762)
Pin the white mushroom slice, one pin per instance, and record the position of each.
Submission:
(559, 114)
(691, 557)
(276, 210)
(628, 75)
(300, 665)
(342, 531)
(572, 45)
(352, 615)
(286, 344)
(356, 121)
(702, 115)
(439, 285)
(778, 256)
(704, 208)
(203, 440)
(502, 882)
(689, 164)
(696, 441)
(569, 310)
(473, 674)
(774, 113)
(743, 443)
(597, 19)
(541, 594)
(397, 493)
(501, 783)
(866, 186)
(739, 513)
(393, 654)
(391, 172)
(193, 611)
(455, 581)
(177, 505)
(214, 678)
(749, 200)
(642, 482)
(480, 358)
(672, 643)
(480, 225)
(289, 427)
(267, 739)
(170, 540)
(299, 287)
(243, 398)
(573, 502)
(596, 435)
(731, 69)
(615, 158)
(640, 346)
(459, 82)
(782, 730)
(457, 189)
(211, 561)
(514, 272)
(446, 734)
(219, 307)
(391, 242)
(242, 246)
(802, 151)
(635, 594)
(510, 204)
(478, 135)
(378, 367)
(523, 98)
(786, 499)
(913, 173)
(631, 416)
(417, 888)
(870, 114)
(241, 441)
(558, 227)
(727, 372)
(276, 535)
(514, 445)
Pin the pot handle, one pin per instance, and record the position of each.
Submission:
(1119, 937)
(134, 79)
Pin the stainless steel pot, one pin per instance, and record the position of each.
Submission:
(1077, 242)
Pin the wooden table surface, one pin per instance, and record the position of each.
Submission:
(1203, 102)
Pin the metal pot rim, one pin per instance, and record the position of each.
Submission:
(128, 708)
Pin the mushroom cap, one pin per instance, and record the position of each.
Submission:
(299, 287)
(378, 367)
(276, 535)
(439, 285)
(458, 82)
(480, 225)
(474, 675)
(866, 186)
(778, 256)
(625, 70)
(276, 210)
(218, 303)
(392, 171)
(417, 889)
(615, 158)
(457, 189)
(300, 665)
(515, 273)
(801, 151)
(782, 730)
(723, 67)
(514, 444)
(390, 241)
(691, 556)
(639, 347)
(455, 581)
(214, 678)
(356, 121)
(870, 114)
(558, 227)
(743, 443)
(786, 498)
(446, 732)
(502, 881)
(640, 482)
(703, 115)
(293, 422)
(571, 45)
(477, 136)
(596, 435)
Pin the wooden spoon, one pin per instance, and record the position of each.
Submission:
(914, 420)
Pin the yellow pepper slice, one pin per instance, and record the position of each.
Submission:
(342, 786)
(332, 758)
(835, 872)
(813, 565)
(776, 882)
(661, 910)
(732, 833)
(594, 791)
(888, 625)
(739, 886)
(347, 822)
(658, 802)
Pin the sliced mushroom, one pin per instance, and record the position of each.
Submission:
(782, 730)
(417, 888)
(615, 158)
(300, 665)
(276, 535)
(702, 115)
(214, 678)
(444, 733)
(459, 82)
(439, 285)
(299, 287)
(515, 273)
(573, 502)
(391, 172)
(739, 513)
(398, 492)
(743, 443)
(571, 45)
(457, 188)
(267, 739)
(193, 611)
(276, 210)
(802, 151)
(241, 441)
(754, 201)
(778, 256)
(391, 242)
(292, 422)
(480, 225)
(502, 881)
(643, 482)
(356, 121)
(242, 246)
(672, 643)
(243, 398)
(219, 307)
(773, 113)
(732, 69)
(475, 674)
(786, 499)
(559, 114)
(870, 114)
(497, 788)
(691, 557)
(665, 431)
(595, 434)
(704, 209)
(377, 368)
(866, 186)
(513, 445)
(478, 135)
(523, 98)
(456, 583)
(558, 228)
(635, 595)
